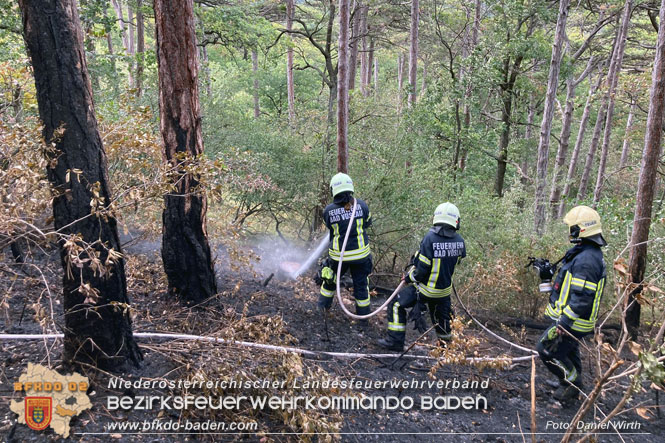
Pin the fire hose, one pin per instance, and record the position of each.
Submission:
(399, 288)
(339, 275)
(274, 348)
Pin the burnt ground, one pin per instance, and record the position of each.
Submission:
(247, 301)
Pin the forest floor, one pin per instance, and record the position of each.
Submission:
(283, 313)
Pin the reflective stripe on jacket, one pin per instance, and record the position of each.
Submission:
(435, 261)
(578, 288)
(336, 218)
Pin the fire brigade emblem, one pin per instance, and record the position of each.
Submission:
(38, 412)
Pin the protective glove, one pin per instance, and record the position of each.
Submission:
(553, 339)
(417, 316)
(553, 333)
(406, 279)
(327, 275)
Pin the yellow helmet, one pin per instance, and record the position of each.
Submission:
(583, 222)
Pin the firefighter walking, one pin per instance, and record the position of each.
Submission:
(574, 302)
(357, 255)
(430, 279)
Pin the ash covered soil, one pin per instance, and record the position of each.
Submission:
(289, 308)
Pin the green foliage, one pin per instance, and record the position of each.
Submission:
(404, 161)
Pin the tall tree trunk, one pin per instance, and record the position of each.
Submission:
(423, 84)
(255, 91)
(598, 127)
(376, 75)
(613, 79)
(647, 180)
(363, 54)
(290, 88)
(564, 138)
(369, 66)
(528, 134)
(593, 147)
(467, 90)
(185, 248)
(140, 47)
(353, 43)
(400, 81)
(504, 141)
(342, 88)
(626, 138)
(130, 28)
(109, 38)
(413, 52)
(562, 152)
(204, 62)
(548, 114)
(572, 166)
(117, 5)
(98, 328)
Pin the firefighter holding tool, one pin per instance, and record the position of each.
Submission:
(357, 255)
(429, 280)
(574, 301)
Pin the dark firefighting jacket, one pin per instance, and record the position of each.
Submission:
(337, 219)
(434, 263)
(578, 288)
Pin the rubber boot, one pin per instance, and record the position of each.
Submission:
(568, 392)
(552, 383)
(391, 344)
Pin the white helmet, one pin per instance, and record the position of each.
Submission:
(447, 213)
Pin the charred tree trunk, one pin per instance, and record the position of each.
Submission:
(185, 248)
(548, 114)
(613, 79)
(625, 151)
(342, 88)
(413, 52)
(647, 180)
(98, 328)
(290, 88)
(255, 89)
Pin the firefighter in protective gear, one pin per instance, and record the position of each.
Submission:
(357, 257)
(574, 301)
(430, 278)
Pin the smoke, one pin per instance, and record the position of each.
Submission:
(273, 252)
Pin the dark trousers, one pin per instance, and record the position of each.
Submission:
(360, 269)
(561, 355)
(439, 311)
